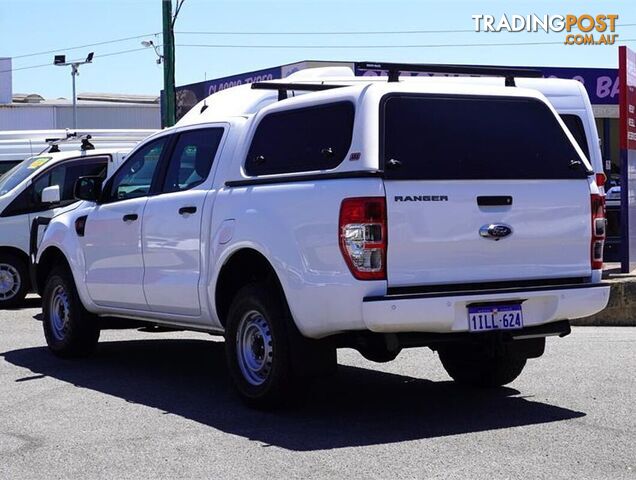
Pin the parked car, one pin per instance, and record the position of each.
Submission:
(612, 252)
(614, 195)
(40, 186)
(323, 211)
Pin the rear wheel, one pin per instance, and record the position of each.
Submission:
(257, 346)
(70, 330)
(481, 366)
(14, 280)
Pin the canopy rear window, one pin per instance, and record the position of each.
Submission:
(443, 137)
(301, 140)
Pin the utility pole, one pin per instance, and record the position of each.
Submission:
(168, 63)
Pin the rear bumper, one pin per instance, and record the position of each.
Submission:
(447, 312)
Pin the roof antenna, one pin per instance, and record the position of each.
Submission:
(205, 99)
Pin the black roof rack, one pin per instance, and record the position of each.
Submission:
(283, 88)
(508, 73)
(54, 143)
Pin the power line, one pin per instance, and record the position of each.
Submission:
(379, 32)
(121, 52)
(386, 32)
(110, 54)
(390, 32)
(340, 47)
(107, 42)
(325, 47)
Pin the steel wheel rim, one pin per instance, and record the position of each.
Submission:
(10, 281)
(254, 348)
(59, 312)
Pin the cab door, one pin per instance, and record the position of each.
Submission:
(171, 239)
(112, 236)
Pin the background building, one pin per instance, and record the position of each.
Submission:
(20, 111)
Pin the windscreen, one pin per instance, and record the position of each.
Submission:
(443, 137)
(575, 125)
(20, 172)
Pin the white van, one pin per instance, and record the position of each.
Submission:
(40, 186)
(17, 145)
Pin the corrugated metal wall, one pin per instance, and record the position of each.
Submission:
(45, 117)
(26, 118)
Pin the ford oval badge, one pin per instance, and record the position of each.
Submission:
(495, 231)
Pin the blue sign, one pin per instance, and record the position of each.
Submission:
(601, 83)
(189, 95)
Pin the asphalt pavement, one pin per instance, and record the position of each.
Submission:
(159, 405)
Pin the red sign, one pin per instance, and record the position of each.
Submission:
(627, 100)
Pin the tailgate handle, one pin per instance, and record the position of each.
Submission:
(494, 200)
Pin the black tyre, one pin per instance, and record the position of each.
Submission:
(378, 356)
(14, 280)
(257, 346)
(378, 352)
(479, 366)
(70, 330)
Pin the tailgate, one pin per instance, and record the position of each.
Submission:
(439, 241)
(482, 189)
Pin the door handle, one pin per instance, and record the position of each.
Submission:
(185, 210)
(494, 201)
(131, 217)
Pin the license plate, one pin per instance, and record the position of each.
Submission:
(494, 317)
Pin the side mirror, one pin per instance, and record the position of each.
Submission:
(51, 194)
(88, 188)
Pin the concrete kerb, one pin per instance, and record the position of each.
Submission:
(621, 310)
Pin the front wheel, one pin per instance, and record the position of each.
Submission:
(257, 346)
(14, 280)
(479, 366)
(70, 330)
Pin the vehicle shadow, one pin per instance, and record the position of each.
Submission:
(356, 407)
(29, 302)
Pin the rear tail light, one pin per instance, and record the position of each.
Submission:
(601, 178)
(363, 232)
(599, 225)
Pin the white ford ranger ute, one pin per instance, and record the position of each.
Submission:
(323, 211)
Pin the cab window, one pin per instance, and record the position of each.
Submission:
(192, 158)
(134, 179)
(63, 175)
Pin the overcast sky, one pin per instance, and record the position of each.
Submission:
(31, 26)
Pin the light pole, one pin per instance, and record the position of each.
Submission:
(60, 61)
(150, 43)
